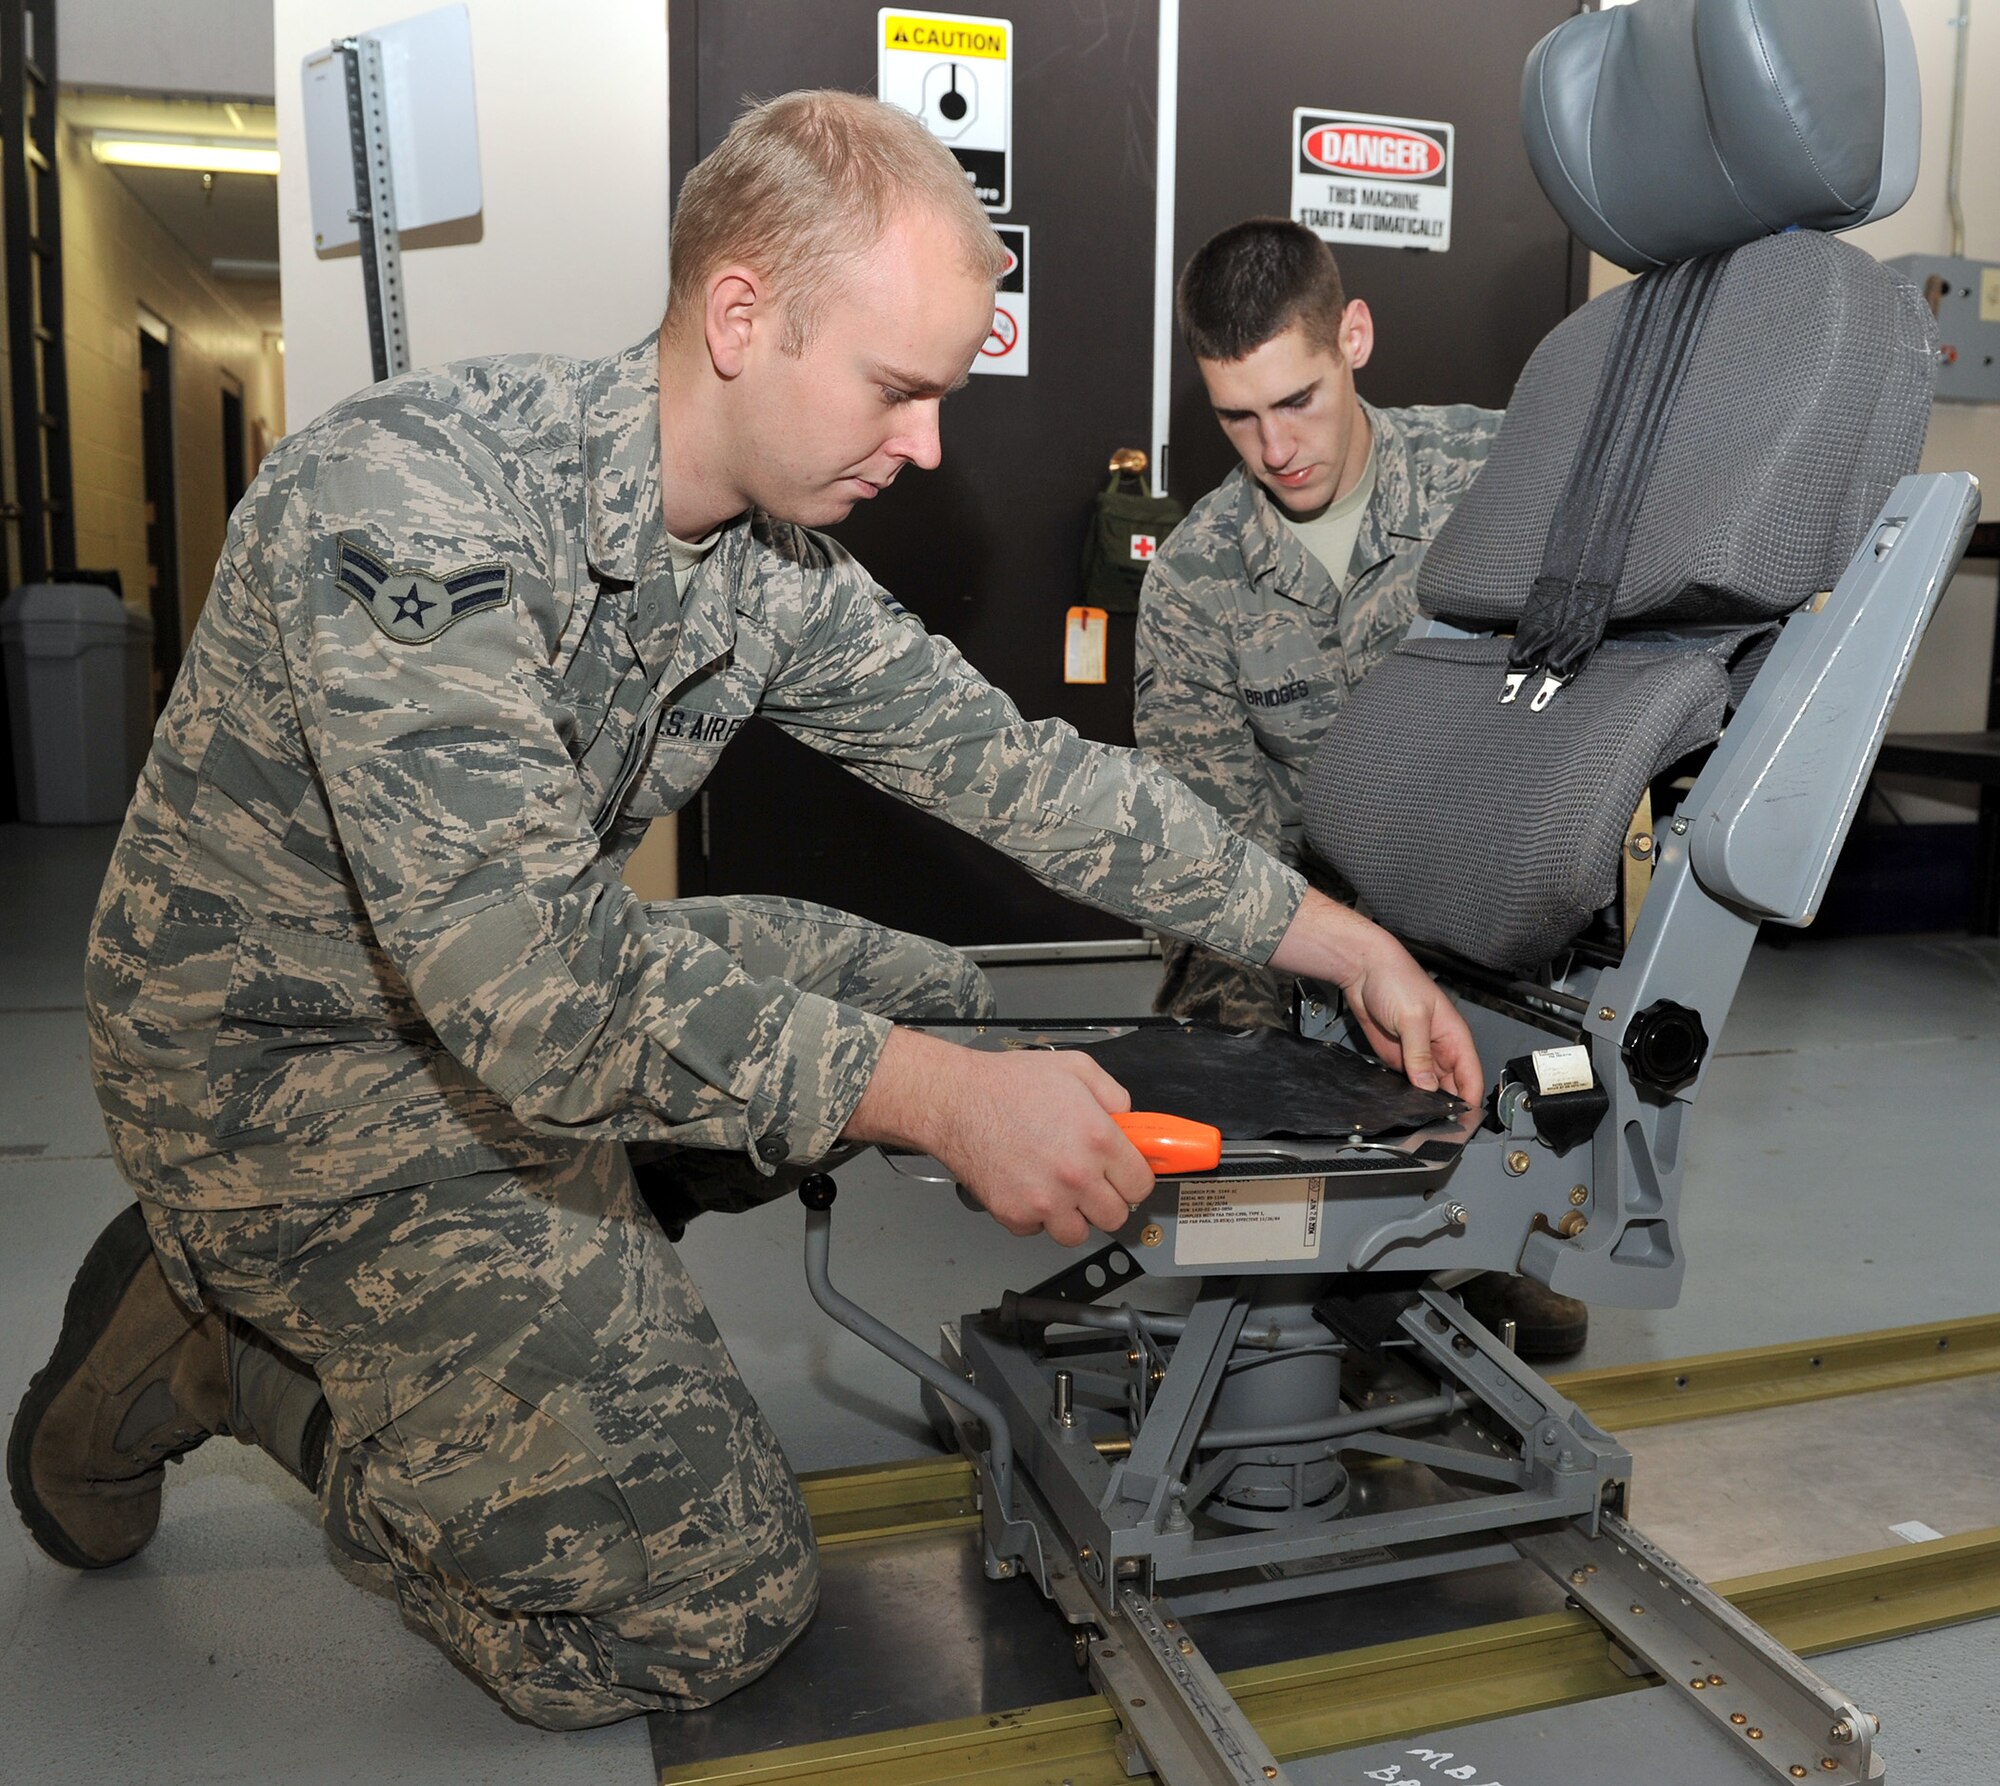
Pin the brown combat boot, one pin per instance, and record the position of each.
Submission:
(135, 1380)
(1547, 1325)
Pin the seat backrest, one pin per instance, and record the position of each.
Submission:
(1492, 827)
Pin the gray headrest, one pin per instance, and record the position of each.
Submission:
(1672, 128)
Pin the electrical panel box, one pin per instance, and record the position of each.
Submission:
(1964, 296)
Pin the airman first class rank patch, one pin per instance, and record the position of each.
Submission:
(413, 607)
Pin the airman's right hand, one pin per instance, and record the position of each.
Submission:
(1028, 1133)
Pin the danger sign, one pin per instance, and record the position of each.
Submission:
(956, 73)
(1383, 181)
(1005, 349)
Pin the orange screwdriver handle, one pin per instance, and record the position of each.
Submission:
(1173, 1143)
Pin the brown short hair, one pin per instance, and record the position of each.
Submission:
(802, 184)
(1253, 281)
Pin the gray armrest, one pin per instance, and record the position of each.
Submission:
(1776, 800)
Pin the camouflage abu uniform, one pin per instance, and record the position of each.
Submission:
(1247, 647)
(372, 1013)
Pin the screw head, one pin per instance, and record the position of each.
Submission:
(1715, 1680)
(1680, 827)
(1605, 1013)
(1796, 1771)
(1517, 1161)
(1843, 1732)
(1754, 1734)
(1579, 1194)
(1572, 1224)
(1152, 1234)
(1738, 1718)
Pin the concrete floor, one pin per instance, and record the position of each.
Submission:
(1840, 1178)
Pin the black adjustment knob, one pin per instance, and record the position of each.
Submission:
(1665, 1045)
(817, 1190)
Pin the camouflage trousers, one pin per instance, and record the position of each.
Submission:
(535, 1425)
(1204, 987)
(1200, 986)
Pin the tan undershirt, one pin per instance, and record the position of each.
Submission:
(1330, 535)
(687, 558)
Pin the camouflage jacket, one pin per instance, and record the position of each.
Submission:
(365, 926)
(1247, 647)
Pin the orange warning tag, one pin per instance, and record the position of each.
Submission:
(1084, 633)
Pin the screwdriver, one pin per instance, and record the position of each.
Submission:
(1172, 1143)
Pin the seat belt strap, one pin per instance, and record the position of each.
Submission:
(1583, 557)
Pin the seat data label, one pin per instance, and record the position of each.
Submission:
(1248, 1221)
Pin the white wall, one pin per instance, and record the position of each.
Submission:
(572, 249)
(1947, 689)
(1964, 436)
(214, 49)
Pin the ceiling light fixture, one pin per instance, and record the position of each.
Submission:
(205, 155)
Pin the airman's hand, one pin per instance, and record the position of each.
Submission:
(1028, 1133)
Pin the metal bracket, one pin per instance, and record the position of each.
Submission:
(375, 206)
(1436, 1218)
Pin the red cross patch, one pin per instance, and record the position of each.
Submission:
(1143, 546)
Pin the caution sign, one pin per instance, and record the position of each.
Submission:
(1382, 181)
(1006, 348)
(956, 73)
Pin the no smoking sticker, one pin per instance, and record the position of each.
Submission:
(956, 73)
(1005, 350)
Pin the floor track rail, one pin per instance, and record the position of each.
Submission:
(1319, 1704)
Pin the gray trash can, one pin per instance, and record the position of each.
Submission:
(79, 691)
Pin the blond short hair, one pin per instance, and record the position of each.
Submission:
(799, 187)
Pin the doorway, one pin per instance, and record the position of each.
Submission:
(234, 482)
(156, 429)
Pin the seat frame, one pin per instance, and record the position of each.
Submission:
(1177, 1464)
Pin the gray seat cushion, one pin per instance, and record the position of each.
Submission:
(1495, 832)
